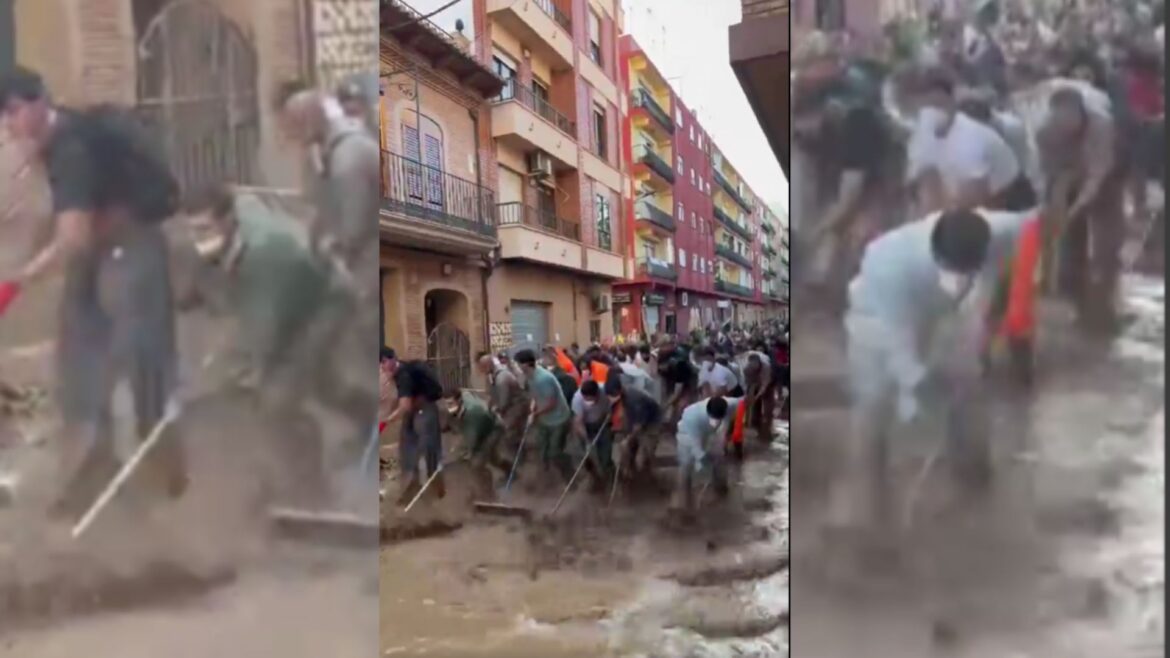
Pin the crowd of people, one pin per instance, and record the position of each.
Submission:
(291, 296)
(606, 409)
(948, 176)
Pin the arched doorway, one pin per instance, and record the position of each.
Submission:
(447, 316)
(197, 90)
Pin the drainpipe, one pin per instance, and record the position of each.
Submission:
(488, 261)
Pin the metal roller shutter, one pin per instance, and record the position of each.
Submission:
(529, 326)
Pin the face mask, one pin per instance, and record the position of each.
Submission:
(953, 284)
(933, 118)
(211, 247)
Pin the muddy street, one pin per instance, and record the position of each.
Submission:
(593, 581)
(1064, 556)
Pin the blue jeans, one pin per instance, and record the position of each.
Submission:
(420, 433)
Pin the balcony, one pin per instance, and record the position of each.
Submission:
(426, 208)
(530, 234)
(515, 213)
(731, 191)
(723, 251)
(731, 224)
(769, 272)
(646, 211)
(769, 249)
(657, 269)
(645, 155)
(643, 99)
(733, 288)
(527, 123)
(538, 24)
(768, 228)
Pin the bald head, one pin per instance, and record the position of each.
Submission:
(303, 117)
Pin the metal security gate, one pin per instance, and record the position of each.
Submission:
(449, 355)
(197, 91)
(529, 326)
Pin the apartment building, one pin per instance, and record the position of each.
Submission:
(695, 238)
(558, 168)
(774, 258)
(760, 46)
(438, 217)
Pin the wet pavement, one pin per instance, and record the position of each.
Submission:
(595, 582)
(1064, 557)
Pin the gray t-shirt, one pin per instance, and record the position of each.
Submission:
(591, 415)
(506, 390)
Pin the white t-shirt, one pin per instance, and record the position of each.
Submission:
(718, 376)
(969, 151)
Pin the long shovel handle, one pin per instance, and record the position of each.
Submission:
(125, 472)
(588, 450)
(516, 460)
(423, 490)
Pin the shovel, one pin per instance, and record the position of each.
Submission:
(580, 466)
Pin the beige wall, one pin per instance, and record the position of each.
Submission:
(569, 297)
(407, 278)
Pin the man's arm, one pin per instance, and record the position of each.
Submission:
(354, 178)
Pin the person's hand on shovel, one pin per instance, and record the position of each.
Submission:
(9, 291)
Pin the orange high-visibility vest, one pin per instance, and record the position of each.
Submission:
(1020, 319)
(739, 422)
(566, 364)
(599, 371)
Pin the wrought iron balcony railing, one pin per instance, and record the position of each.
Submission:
(516, 213)
(559, 16)
(644, 100)
(647, 156)
(657, 269)
(731, 191)
(655, 215)
(731, 224)
(428, 193)
(723, 251)
(769, 249)
(514, 91)
(733, 288)
(768, 228)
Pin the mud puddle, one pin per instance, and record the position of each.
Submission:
(591, 581)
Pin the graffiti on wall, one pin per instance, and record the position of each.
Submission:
(501, 336)
(346, 39)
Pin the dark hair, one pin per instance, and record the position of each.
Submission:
(21, 83)
(613, 386)
(215, 197)
(387, 354)
(525, 358)
(453, 393)
(286, 90)
(590, 388)
(717, 408)
(960, 240)
(1068, 97)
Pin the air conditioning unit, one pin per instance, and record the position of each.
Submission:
(540, 167)
(601, 302)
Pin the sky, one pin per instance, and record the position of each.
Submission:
(687, 39)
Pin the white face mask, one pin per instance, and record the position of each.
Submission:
(211, 246)
(953, 284)
(933, 118)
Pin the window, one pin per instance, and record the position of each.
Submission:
(678, 117)
(595, 331)
(694, 177)
(505, 67)
(682, 257)
(540, 92)
(682, 214)
(595, 37)
(599, 145)
(682, 167)
(692, 133)
(694, 219)
(424, 176)
(604, 224)
(648, 251)
(700, 141)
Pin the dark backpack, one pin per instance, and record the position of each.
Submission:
(133, 168)
(568, 384)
